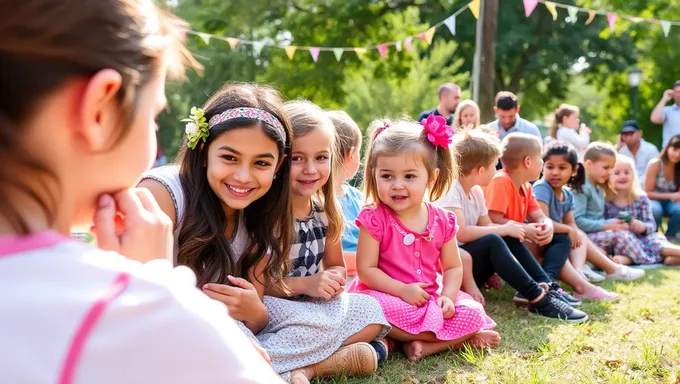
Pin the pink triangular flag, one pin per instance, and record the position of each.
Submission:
(382, 48)
(233, 42)
(611, 18)
(314, 51)
(529, 6)
(422, 36)
(407, 43)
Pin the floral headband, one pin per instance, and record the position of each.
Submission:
(438, 132)
(198, 128)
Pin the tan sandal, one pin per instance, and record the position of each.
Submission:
(358, 359)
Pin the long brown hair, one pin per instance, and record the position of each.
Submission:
(305, 117)
(675, 143)
(46, 43)
(405, 137)
(268, 221)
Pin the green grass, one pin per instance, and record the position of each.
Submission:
(636, 340)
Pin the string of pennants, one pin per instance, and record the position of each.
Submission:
(428, 35)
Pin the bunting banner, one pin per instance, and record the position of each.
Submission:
(426, 36)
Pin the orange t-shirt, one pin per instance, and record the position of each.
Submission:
(502, 195)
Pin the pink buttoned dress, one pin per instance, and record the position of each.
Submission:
(418, 262)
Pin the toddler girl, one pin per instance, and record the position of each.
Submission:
(404, 241)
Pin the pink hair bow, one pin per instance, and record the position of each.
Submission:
(438, 133)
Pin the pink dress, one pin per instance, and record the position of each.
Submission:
(414, 257)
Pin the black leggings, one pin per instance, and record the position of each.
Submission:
(556, 254)
(512, 261)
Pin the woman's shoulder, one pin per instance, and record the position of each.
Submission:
(654, 163)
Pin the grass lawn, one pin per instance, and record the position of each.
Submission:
(636, 340)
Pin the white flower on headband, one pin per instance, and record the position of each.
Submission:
(191, 129)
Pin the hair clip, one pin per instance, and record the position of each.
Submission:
(196, 128)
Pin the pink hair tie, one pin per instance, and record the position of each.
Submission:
(381, 129)
(438, 132)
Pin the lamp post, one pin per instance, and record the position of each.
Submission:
(634, 80)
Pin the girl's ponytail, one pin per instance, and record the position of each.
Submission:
(576, 182)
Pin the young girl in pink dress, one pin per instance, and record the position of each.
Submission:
(404, 241)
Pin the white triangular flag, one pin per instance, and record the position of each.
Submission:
(397, 45)
(205, 37)
(573, 12)
(666, 26)
(338, 53)
(451, 23)
(257, 47)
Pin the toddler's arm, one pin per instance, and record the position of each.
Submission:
(368, 251)
(452, 269)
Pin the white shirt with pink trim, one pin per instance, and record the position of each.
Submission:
(158, 329)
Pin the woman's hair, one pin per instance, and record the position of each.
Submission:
(407, 138)
(268, 221)
(347, 133)
(45, 44)
(305, 117)
(635, 191)
(475, 148)
(675, 143)
(563, 111)
(569, 154)
(459, 111)
(595, 151)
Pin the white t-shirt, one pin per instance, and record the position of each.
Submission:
(473, 207)
(158, 329)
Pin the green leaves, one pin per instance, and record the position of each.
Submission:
(196, 128)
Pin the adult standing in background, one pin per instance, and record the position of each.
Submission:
(509, 121)
(449, 97)
(669, 115)
(634, 146)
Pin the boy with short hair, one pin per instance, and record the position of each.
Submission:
(496, 248)
(509, 196)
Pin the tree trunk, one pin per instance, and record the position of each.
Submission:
(487, 91)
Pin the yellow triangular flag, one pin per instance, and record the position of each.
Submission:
(429, 35)
(474, 8)
(360, 52)
(290, 51)
(232, 42)
(551, 9)
(591, 16)
(205, 37)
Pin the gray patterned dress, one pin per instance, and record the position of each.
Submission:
(301, 331)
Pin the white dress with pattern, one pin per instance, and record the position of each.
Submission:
(301, 331)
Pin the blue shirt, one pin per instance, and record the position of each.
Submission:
(589, 208)
(671, 122)
(556, 207)
(351, 204)
(521, 125)
(425, 114)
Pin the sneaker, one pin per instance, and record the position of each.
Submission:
(553, 308)
(591, 275)
(599, 294)
(625, 273)
(520, 300)
(563, 295)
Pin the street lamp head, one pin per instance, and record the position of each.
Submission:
(634, 77)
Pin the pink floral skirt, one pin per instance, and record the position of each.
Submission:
(470, 316)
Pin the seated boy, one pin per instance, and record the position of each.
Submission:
(496, 248)
(509, 197)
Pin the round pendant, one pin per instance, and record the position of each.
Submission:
(409, 239)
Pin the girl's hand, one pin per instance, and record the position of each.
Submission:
(575, 238)
(131, 223)
(414, 294)
(544, 235)
(638, 226)
(241, 299)
(446, 304)
(584, 130)
(675, 197)
(616, 224)
(530, 232)
(513, 229)
(325, 285)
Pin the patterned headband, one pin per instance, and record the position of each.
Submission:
(198, 129)
(248, 113)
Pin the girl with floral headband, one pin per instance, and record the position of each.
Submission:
(404, 241)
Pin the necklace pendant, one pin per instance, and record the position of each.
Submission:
(409, 239)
